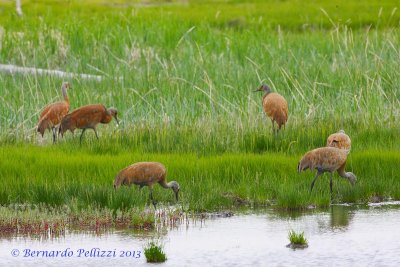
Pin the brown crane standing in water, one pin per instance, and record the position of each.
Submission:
(275, 107)
(52, 114)
(87, 117)
(340, 140)
(146, 174)
(327, 159)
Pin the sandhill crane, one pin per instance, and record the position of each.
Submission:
(87, 117)
(52, 114)
(145, 174)
(327, 159)
(275, 107)
(339, 140)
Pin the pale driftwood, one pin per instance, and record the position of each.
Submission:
(18, 7)
(12, 69)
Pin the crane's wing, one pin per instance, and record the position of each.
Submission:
(87, 115)
(55, 113)
(49, 107)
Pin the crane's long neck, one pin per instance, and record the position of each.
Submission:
(64, 92)
(348, 175)
(266, 93)
(106, 118)
(164, 184)
(117, 181)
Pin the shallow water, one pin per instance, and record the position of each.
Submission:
(341, 236)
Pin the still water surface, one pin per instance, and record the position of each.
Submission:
(340, 236)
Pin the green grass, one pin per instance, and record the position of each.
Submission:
(67, 174)
(154, 253)
(144, 221)
(190, 89)
(185, 99)
(297, 238)
(237, 14)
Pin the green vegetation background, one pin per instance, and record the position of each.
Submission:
(188, 69)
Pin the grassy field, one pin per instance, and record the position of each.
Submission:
(59, 175)
(187, 71)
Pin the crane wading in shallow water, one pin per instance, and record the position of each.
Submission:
(87, 117)
(53, 114)
(327, 159)
(340, 140)
(145, 174)
(275, 107)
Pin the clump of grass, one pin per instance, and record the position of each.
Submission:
(154, 253)
(297, 240)
(143, 221)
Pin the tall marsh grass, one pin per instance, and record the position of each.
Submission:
(190, 79)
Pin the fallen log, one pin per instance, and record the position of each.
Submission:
(12, 69)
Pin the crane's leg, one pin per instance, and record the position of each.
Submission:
(273, 126)
(330, 183)
(315, 178)
(152, 199)
(59, 132)
(83, 131)
(54, 134)
(279, 128)
(95, 131)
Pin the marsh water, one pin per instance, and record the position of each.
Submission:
(339, 236)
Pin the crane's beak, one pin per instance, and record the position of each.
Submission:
(176, 195)
(116, 119)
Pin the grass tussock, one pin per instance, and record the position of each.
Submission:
(154, 253)
(297, 240)
(144, 221)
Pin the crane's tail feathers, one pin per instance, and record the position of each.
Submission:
(39, 130)
(42, 126)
